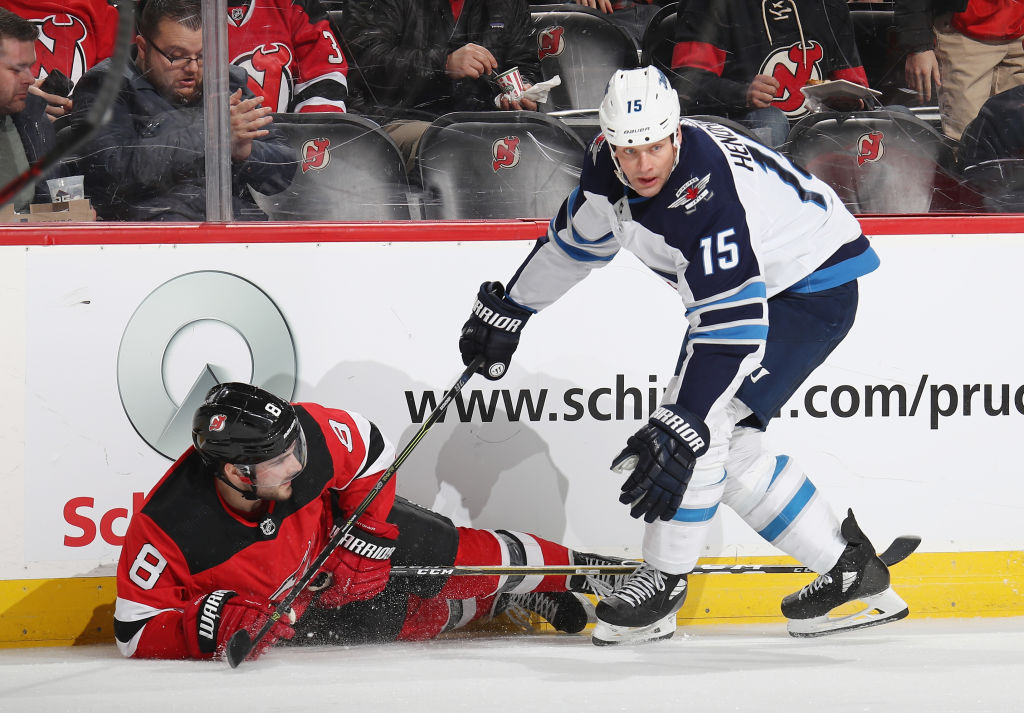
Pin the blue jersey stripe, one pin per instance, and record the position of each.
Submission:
(789, 513)
(780, 464)
(579, 254)
(695, 514)
(838, 274)
(752, 291)
(744, 332)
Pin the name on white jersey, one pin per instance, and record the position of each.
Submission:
(732, 144)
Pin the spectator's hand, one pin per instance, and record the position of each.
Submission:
(921, 70)
(509, 105)
(247, 121)
(471, 61)
(56, 105)
(761, 91)
(604, 6)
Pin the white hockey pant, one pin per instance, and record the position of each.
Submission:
(770, 492)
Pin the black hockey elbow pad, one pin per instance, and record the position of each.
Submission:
(493, 330)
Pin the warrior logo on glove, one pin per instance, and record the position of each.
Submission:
(492, 330)
(662, 456)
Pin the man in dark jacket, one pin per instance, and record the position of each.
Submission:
(748, 59)
(148, 161)
(420, 59)
(25, 132)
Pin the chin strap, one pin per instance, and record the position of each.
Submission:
(247, 494)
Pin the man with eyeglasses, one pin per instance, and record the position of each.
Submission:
(148, 162)
(25, 132)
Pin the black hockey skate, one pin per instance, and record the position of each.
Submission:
(597, 582)
(643, 609)
(565, 611)
(858, 575)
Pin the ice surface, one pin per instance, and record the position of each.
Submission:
(927, 666)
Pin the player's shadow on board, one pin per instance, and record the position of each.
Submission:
(458, 469)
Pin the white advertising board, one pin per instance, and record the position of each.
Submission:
(911, 422)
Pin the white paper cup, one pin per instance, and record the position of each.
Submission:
(67, 188)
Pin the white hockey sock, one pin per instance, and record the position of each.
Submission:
(673, 546)
(775, 497)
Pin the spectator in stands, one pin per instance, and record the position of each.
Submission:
(74, 35)
(748, 59)
(970, 49)
(997, 131)
(632, 15)
(289, 50)
(25, 133)
(148, 161)
(424, 58)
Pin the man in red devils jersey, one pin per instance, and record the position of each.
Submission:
(74, 35)
(748, 59)
(237, 519)
(289, 50)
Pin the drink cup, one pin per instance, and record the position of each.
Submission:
(511, 84)
(66, 188)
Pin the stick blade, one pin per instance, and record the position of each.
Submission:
(238, 648)
(901, 548)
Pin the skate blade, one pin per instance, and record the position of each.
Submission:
(606, 634)
(879, 609)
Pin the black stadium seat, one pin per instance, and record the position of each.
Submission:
(1000, 182)
(584, 48)
(876, 161)
(658, 42)
(497, 164)
(349, 169)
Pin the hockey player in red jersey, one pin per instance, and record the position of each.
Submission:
(237, 519)
(290, 52)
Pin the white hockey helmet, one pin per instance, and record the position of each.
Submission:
(639, 107)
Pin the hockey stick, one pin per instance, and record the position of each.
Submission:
(899, 550)
(241, 643)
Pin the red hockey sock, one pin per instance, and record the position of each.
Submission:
(487, 547)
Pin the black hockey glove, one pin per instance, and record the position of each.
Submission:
(661, 455)
(492, 330)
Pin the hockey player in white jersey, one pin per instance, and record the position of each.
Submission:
(765, 258)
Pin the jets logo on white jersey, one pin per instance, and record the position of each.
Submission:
(692, 193)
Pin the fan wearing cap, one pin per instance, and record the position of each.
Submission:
(237, 520)
(765, 259)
